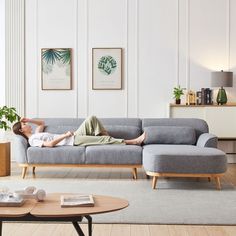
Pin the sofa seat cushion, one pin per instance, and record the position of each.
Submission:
(114, 154)
(170, 135)
(183, 159)
(56, 155)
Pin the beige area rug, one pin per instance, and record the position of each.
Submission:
(176, 201)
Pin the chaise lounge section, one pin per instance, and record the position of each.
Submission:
(173, 147)
(181, 148)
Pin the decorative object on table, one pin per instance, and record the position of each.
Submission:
(178, 92)
(76, 200)
(30, 193)
(190, 98)
(9, 200)
(206, 96)
(107, 68)
(56, 68)
(221, 79)
(198, 97)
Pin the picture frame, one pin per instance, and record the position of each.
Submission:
(107, 68)
(56, 68)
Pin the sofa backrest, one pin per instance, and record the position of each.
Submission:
(126, 128)
(200, 126)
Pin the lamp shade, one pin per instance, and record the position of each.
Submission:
(222, 79)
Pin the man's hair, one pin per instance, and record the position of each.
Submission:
(16, 129)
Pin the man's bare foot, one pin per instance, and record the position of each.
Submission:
(140, 139)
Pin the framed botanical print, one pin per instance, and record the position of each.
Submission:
(56, 68)
(107, 68)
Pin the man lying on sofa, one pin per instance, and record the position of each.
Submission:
(90, 132)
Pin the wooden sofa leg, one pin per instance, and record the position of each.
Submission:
(134, 173)
(154, 182)
(218, 186)
(24, 170)
(33, 170)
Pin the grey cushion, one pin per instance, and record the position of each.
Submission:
(123, 131)
(56, 155)
(114, 154)
(199, 125)
(170, 135)
(183, 159)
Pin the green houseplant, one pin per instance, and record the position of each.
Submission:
(8, 115)
(178, 92)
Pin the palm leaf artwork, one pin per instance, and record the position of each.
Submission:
(50, 56)
(65, 55)
(107, 65)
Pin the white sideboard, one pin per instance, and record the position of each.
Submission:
(220, 119)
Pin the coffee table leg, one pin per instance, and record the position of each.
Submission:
(89, 218)
(78, 229)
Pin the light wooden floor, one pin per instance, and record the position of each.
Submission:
(46, 229)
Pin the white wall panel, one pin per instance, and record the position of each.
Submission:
(2, 54)
(157, 56)
(57, 27)
(107, 28)
(208, 40)
(231, 92)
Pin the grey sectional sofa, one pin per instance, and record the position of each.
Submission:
(173, 147)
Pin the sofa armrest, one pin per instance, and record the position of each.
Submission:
(20, 145)
(207, 140)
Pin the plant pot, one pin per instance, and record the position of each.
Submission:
(177, 101)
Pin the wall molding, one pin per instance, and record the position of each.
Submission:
(228, 33)
(137, 57)
(15, 55)
(188, 44)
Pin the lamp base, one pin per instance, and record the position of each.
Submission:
(221, 97)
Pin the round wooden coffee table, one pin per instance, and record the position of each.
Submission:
(51, 210)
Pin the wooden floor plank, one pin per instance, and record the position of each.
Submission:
(120, 230)
(139, 230)
(102, 229)
(159, 230)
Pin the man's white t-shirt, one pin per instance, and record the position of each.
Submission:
(37, 139)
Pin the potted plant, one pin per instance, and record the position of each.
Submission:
(177, 94)
(8, 115)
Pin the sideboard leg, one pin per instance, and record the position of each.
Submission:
(24, 171)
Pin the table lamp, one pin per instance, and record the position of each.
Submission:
(221, 79)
